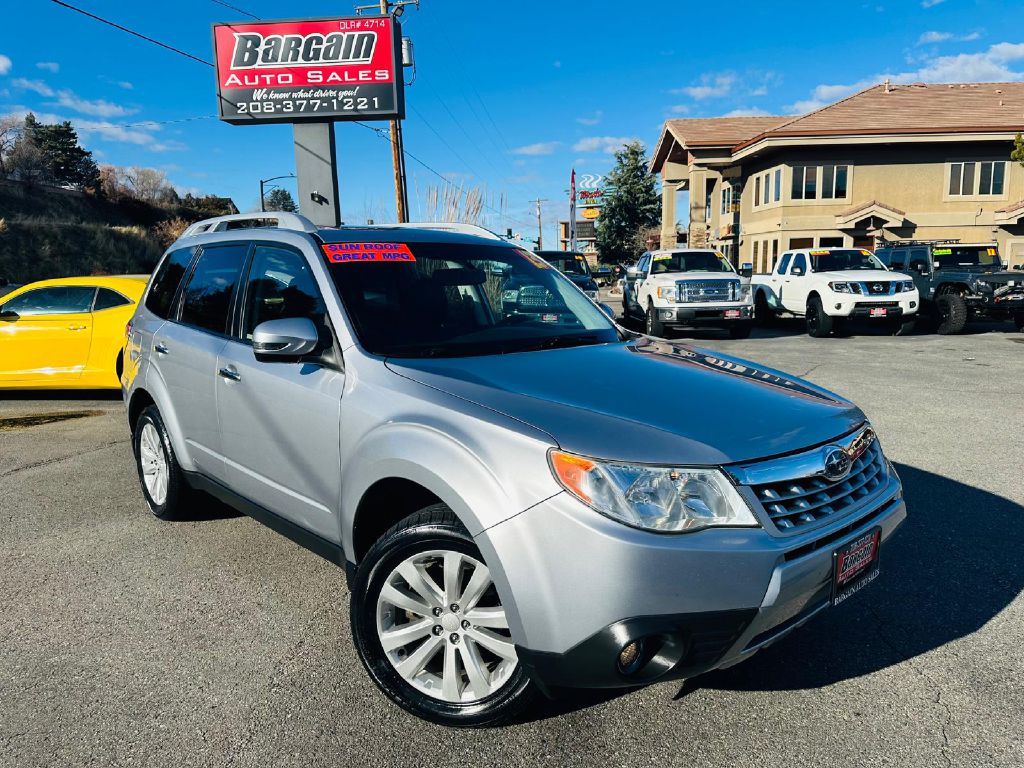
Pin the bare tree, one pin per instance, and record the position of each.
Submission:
(10, 131)
(145, 183)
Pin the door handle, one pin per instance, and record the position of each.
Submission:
(230, 373)
(161, 348)
(76, 327)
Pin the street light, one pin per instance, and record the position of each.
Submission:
(263, 199)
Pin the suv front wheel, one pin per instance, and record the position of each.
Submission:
(952, 311)
(819, 324)
(430, 627)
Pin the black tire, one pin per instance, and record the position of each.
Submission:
(625, 307)
(763, 314)
(432, 528)
(1018, 321)
(819, 324)
(653, 326)
(952, 310)
(178, 491)
(740, 330)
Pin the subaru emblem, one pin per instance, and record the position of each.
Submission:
(837, 463)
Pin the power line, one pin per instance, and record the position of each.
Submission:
(132, 32)
(239, 10)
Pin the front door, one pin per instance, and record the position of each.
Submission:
(45, 335)
(280, 419)
(634, 277)
(794, 285)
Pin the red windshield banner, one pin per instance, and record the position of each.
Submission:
(348, 253)
(315, 69)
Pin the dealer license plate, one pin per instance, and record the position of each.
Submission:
(732, 313)
(855, 565)
(879, 312)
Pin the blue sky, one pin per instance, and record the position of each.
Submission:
(565, 83)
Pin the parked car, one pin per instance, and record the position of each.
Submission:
(688, 288)
(575, 267)
(959, 282)
(604, 274)
(509, 522)
(66, 333)
(830, 286)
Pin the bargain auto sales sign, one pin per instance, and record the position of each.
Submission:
(309, 70)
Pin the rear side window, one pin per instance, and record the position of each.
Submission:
(281, 285)
(166, 281)
(108, 299)
(206, 301)
(55, 300)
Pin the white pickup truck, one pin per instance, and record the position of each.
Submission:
(688, 288)
(828, 286)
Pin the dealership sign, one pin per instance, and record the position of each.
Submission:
(309, 70)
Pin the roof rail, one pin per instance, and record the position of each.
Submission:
(450, 226)
(284, 220)
(901, 243)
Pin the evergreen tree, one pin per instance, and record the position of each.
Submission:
(281, 200)
(64, 160)
(1017, 153)
(631, 204)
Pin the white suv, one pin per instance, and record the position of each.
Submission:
(828, 286)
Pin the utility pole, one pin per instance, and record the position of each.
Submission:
(540, 226)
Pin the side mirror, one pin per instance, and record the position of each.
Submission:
(747, 270)
(921, 268)
(285, 339)
(607, 309)
(9, 315)
(797, 271)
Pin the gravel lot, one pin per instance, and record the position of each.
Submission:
(124, 640)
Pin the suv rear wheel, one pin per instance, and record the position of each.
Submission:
(819, 325)
(952, 311)
(430, 627)
(163, 482)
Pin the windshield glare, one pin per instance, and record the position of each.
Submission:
(690, 261)
(967, 255)
(836, 261)
(457, 300)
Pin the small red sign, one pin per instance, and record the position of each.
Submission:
(878, 312)
(351, 253)
(732, 313)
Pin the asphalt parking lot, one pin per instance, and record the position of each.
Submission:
(125, 640)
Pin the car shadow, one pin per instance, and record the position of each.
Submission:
(951, 568)
(111, 395)
(203, 507)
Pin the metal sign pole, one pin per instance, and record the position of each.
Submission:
(317, 171)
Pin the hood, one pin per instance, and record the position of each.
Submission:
(675, 277)
(580, 279)
(647, 401)
(864, 275)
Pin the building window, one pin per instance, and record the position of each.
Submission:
(970, 178)
(754, 260)
(757, 191)
(726, 199)
(805, 182)
(833, 182)
(778, 184)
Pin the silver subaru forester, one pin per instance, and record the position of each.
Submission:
(526, 496)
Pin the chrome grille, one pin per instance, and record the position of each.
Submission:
(533, 296)
(708, 290)
(792, 503)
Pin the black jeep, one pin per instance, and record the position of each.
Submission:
(959, 282)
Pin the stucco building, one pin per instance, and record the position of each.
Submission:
(892, 162)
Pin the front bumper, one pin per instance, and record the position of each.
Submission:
(579, 587)
(694, 316)
(858, 306)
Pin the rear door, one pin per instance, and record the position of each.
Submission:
(634, 277)
(280, 420)
(185, 350)
(45, 335)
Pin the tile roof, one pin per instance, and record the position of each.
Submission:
(720, 131)
(871, 204)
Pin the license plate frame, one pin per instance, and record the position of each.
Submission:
(732, 313)
(855, 565)
(878, 311)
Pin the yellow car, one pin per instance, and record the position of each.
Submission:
(66, 333)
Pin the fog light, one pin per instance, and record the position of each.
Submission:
(913, 304)
(666, 314)
(629, 656)
(839, 306)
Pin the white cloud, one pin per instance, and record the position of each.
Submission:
(142, 134)
(1002, 62)
(125, 84)
(601, 143)
(540, 148)
(931, 3)
(49, 66)
(711, 86)
(928, 38)
(593, 119)
(748, 112)
(5, 64)
(38, 86)
(679, 109)
(96, 108)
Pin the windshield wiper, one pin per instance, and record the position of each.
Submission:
(555, 342)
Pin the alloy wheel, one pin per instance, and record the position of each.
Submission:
(154, 464)
(442, 627)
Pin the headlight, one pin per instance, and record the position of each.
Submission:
(984, 287)
(668, 292)
(591, 293)
(510, 295)
(906, 286)
(844, 287)
(661, 499)
(744, 294)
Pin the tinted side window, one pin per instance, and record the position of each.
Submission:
(899, 259)
(57, 300)
(206, 301)
(281, 285)
(884, 255)
(786, 257)
(108, 299)
(166, 281)
(800, 262)
(919, 259)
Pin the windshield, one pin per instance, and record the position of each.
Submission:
(838, 260)
(967, 256)
(690, 261)
(568, 263)
(450, 300)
